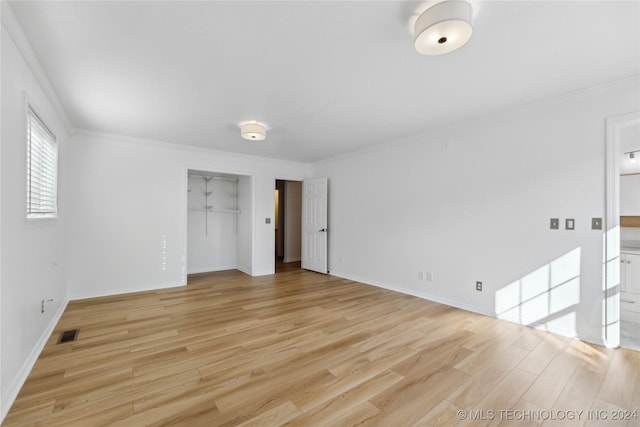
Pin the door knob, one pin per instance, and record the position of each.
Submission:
(323, 230)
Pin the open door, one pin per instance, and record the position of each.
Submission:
(314, 225)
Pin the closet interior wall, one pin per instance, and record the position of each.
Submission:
(213, 222)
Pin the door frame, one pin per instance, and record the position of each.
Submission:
(285, 180)
(611, 261)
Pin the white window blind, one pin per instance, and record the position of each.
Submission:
(42, 169)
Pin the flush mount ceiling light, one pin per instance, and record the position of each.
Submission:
(253, 131)
(443, 27)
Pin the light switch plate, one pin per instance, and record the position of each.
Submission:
(554, 223)
(267, 220)
(569, 224)
(596, 223)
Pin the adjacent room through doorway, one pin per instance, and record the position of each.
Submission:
(288, 223)
(629, 236)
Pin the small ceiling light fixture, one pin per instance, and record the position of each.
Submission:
(253, 131)
(443, 28)
(632, 155)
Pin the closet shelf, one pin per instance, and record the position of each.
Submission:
(214, 209)
(209, 194)
(235, 211)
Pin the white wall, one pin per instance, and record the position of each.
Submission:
(630, 206)
(212, 235)
(630, 195)
(292, 221)
(472, 202)
(127, 227)
(33, 254)
(630, 236)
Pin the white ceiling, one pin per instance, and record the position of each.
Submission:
(327, 77)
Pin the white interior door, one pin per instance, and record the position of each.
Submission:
(314, 225)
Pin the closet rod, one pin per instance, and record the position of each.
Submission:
(220, 178)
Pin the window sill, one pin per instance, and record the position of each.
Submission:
(41, 217)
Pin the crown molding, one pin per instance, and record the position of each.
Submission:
(14, 29)
(184, 147)
(405, 140)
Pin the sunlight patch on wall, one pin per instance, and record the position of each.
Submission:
(611, 287)
(545, 297)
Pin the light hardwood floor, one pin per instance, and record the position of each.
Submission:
(306, 349)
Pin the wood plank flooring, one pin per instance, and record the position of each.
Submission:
(304, 349)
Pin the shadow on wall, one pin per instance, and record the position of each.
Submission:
(545, 298)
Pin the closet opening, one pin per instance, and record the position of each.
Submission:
(219, 232)
(288, 225)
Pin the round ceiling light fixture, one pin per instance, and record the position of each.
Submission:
(443, 28)
(253, 131)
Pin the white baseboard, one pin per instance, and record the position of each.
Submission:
(422, 295)
(296, 259)
(98, 294)
(264, 272)
(230, 267)
(244, 270)
(211, 269)
(462, 306)
(12, 391)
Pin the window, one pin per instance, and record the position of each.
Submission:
(42, 169)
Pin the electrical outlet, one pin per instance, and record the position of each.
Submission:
(42, 306)
(479, 286)
(554, 224)
(267, 220)
(569, 224)
(429, 276)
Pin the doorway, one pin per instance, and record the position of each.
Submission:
(630, 237)
(219, 231)
(615, 237)
(288, 225)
